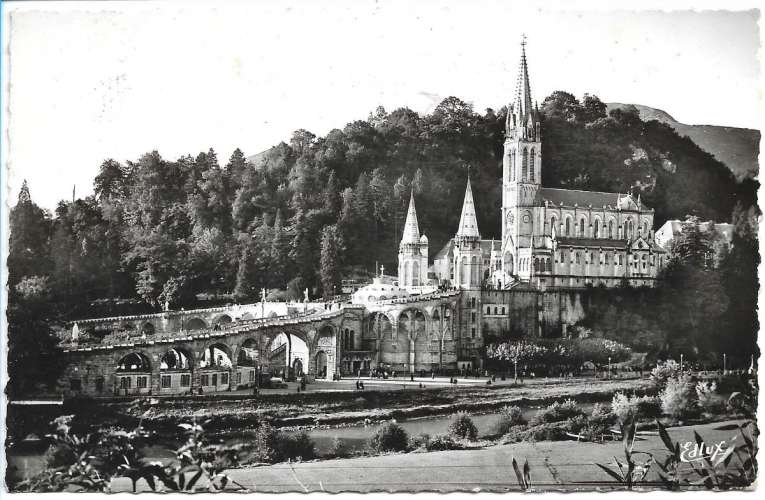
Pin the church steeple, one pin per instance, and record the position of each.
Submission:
(522, 121)
(411, 227)
(468, 221)
(523, 104)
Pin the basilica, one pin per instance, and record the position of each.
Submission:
(551, 238)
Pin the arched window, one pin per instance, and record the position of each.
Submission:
(577, 257)
(536, 265)
(568, 227)
(352, 338)
(513, 165)
(525, 165)
(553, 220)
(645, 228)
(549, 264)
(596, 229)
(531, 165)
(581, 228)
(611, 229)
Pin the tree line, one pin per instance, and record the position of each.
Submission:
(308, 212)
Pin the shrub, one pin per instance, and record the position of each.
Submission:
(553, 431)
(441, 442)
(420, 441)
(389, 437)
(557, 412)
(600, 420)
(462, 427)
(576, 424)
(509, 416)
(648, 407)
(677, 397)
(267, 446)
(297, 446)
(627, 408)
(706, 394)
(622, 408)
(661, 374)
(338, 448)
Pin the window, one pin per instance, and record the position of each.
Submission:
(472, 317)
(620, 260)
(100, 384)
(611, 229)
(252, 375)
(581, 228)
(488, 310)
(472, 332)
(531, 165)
(596, 229)
(205, 380)
(495, 310)
(75, 384)
(185, 380)
(536, 264)
(165, 381)
(238, 378)
(214, 379)
(577, 257)
(124, 382)
(525, 165)
(503, 310)
(472, 301)
(224, 378)
(568, 227)
(142, 382)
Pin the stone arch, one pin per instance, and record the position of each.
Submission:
(134, 362)
(380, 326)
(223, 319)
(322, 364)
(273, 314)
(176, 358)
(246, 316)
(196, 324)
(148, 328)
(248, 353)
(216, 355)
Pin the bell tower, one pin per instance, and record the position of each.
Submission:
(521, 170)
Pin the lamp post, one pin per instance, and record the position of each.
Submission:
(182, 319)
(609, 367)
(724, 363)
(681, 363)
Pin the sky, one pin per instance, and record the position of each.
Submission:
(117, 80)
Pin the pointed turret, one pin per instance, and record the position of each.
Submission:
(468, 221)
(411, 227)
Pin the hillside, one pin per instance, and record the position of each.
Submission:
(737, 148)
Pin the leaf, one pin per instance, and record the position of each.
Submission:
(664, 435)
(194, 480)
(611, 473)
(727, 427)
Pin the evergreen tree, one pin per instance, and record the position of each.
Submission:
(330, 267)
(245, 279)
(301, 249)
(280, 248)
(28, 249)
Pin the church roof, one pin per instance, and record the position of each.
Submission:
(411, 228)
(591, 242)
(598, 199)
(522, 102)
(447, 251)
(468, 221)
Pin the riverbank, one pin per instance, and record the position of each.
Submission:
(398, 400)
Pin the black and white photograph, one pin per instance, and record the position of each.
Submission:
(380, 246)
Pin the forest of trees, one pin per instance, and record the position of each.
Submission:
(304, 214)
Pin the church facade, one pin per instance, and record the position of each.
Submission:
(551, 238)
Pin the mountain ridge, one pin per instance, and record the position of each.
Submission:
(738, 148)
